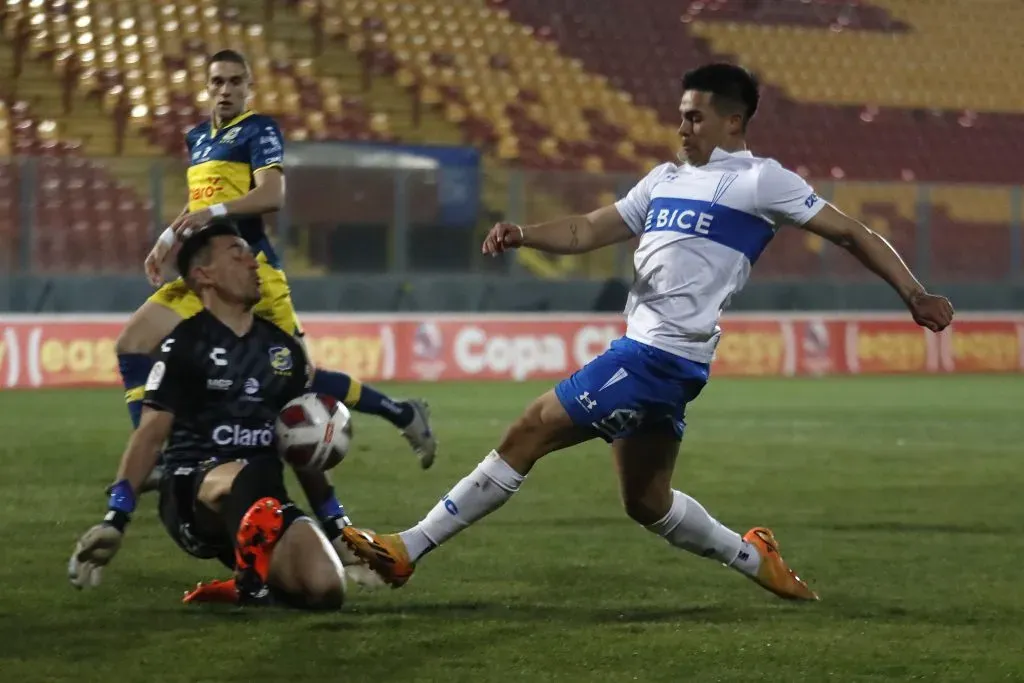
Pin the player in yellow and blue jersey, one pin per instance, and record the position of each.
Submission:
(235, 170)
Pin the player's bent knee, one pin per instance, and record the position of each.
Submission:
(324, 591)
(312, 568)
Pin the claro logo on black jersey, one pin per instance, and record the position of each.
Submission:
(233, 435)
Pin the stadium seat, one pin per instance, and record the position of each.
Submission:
(148, 59)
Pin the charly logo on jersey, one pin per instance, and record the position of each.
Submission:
(217, 357)
(252, 386)
(281, 360)
(219, 384)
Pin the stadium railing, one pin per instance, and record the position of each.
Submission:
(88, 216)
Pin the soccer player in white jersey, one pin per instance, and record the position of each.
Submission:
(702, 225)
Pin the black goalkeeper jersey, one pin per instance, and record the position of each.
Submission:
(225, 391)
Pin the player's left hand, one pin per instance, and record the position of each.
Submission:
(185, 224)
(501, 237)
(94, 550)
(931, 310)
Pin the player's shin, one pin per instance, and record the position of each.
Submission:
(257, 512)
(361, 398)
(485, 490)
(254, 482)
(688, 525)
(134, 369)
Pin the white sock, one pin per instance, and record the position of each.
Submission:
(485, 490)
(689, 526)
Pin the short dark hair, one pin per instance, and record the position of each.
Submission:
(233, 56)
(196, 246)
(732, 87)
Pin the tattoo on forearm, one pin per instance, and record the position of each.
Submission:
(574, 242)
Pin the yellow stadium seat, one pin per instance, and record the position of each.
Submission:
(508, 148)
(332, 103)
(454, 112)
(305, 68)
(380, 124)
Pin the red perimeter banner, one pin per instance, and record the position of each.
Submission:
(78, 350)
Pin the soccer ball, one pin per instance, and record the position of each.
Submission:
(314, 432)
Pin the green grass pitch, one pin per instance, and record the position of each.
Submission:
(898, 499)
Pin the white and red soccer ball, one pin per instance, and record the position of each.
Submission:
(314, 432)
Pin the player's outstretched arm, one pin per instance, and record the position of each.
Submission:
(97, 546)
(569, 235)
(874, 251)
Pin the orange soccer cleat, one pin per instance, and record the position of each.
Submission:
(260, 530)
(774, 574)
(217, 591)
(385, 554)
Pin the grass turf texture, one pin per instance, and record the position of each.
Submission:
(897, 498)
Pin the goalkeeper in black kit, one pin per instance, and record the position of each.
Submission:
(213, 395)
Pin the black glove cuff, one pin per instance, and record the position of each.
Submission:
(117, 519)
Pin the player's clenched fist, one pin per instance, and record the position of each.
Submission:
(94, 550)
(187, 223)
(501, 237)
(932, 311)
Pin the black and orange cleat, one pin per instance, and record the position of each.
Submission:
(216, 591)
(383, 553)
(260, 530)
(774, 574)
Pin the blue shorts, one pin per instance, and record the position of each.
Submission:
(632, 388)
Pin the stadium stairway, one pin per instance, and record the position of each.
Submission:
(284, 24)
